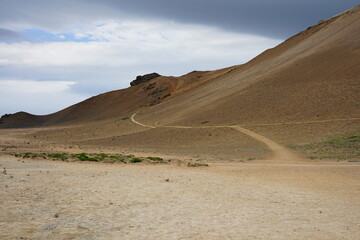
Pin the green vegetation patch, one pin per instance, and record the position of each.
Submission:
(345, 142)
(342, 148)
(61, 156)
(91, 157)
(86, 157)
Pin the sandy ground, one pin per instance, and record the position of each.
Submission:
(284, 197)
(256, 200)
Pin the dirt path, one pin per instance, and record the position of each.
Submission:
(280, 153)
(139, 123)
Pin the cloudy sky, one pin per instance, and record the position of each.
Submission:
(56, 53)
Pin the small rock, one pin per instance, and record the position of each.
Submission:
(56, 215)
(166, 180)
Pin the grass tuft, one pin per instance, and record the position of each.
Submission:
(342, 148)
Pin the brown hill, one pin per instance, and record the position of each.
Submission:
(303, 90)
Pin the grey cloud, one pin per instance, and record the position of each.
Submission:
(276, 18)
(8, 35)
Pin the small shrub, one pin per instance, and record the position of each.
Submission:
(136, 160)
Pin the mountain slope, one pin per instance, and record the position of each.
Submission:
(313, 75)
(310, 78)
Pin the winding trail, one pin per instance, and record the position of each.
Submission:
(280, 153)
(139, 123)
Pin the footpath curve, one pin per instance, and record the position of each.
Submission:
(280, 153)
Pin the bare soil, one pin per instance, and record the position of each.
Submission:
(56, 200)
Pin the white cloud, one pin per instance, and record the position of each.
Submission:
(36, 97)
(130, 43)
(32, 87)
(62, 54)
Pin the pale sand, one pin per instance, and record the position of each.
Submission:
(253, 200)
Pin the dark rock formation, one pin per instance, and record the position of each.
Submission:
(149, 87)
(144, 78)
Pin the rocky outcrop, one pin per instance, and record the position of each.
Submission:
(144, 78)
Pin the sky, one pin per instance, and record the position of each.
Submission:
(56, 53)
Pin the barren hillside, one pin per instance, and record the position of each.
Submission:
(307, 89)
